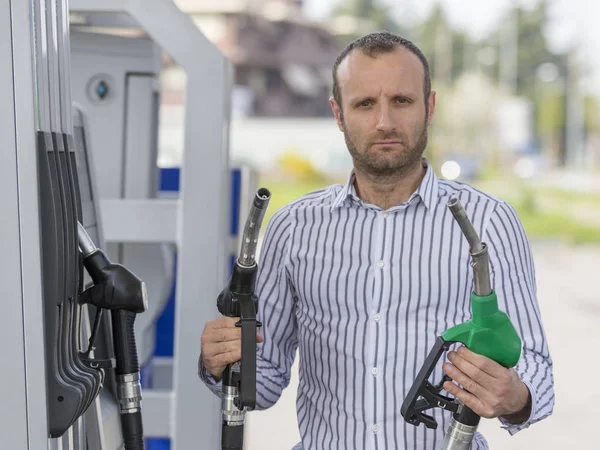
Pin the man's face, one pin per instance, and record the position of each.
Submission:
(383, 113)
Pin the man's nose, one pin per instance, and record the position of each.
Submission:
(384, 121)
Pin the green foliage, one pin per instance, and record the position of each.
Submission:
(378, 16)
(551, 114)
(558, 226)
(545, 213)
(592, 113)
(284, 192)
(550, 213)
(296, 167)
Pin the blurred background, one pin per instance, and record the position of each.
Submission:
(518, 115)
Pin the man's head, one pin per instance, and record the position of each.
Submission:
(382, 101)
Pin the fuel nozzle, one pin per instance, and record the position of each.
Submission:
(121, 292)
(489, 333)
(115, 287)
(238, 300)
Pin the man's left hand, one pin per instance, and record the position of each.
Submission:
(490, 389)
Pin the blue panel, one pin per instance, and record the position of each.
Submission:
(236, 193)
(169, 179)
(165, 325)
(146, 377)
(158, 444)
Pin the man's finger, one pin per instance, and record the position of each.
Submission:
(469, 384)
(223, 322)
(228, 358)
(214, 350)
(472, 371)
(466, 398)
(226, 335)
(484, 363)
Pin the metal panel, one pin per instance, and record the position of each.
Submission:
(148, 220)
(140, 171)
(103, 426)
(99, 58)
(202, 218)
(151, 262)
(40, 41)
(64, 65)
(52, 61)
(13, 430)
(21, 387)
(156, 410)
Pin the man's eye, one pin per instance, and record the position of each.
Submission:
(365, 103)
(401, 100)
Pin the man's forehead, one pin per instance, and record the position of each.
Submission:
(402, 62)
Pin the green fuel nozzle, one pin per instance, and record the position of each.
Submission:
(489, 333)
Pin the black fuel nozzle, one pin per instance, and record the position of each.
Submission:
(115, 287)
(423, 395)
(239, 300)
(120, 291)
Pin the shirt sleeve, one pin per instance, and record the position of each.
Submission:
(215, 386)
(275, 292)
(513, 278)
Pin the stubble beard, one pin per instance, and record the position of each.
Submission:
(397, 163)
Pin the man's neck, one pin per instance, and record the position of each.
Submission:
(391, 190)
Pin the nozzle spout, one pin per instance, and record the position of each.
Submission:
(247, 257)
(478, 249)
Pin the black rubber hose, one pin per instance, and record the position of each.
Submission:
(133, 430)
(467, 417)
(127, 363)
(232, 438)
(124, 342)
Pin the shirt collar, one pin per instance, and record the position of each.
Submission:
(427, 190)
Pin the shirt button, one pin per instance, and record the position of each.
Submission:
(374, 371)
(385, 214)
(380, 264)
(375, 428)
(377, 317)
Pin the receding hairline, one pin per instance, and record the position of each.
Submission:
(374, 54)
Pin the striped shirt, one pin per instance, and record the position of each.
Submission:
(364, 293)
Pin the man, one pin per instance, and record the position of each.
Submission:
(363, 277)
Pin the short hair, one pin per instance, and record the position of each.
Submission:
(374, 44)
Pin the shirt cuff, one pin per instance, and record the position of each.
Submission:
(515, 428)
(214, 385)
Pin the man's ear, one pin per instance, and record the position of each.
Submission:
(337, 113)
(431, 101)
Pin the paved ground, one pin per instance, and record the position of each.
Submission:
(570, 304)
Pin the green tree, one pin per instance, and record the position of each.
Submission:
(531, 42)
(372, 14)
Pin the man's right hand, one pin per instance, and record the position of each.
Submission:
(221, 344)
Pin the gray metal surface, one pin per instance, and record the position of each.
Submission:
(103, 423)
(152, 262)
(127, 158)
(49, 9)
(202, 220)
(458, 436)
(477, 249)
(25, 427)
(40, 48)
(64, 65)
(13, 432)
(96, 58)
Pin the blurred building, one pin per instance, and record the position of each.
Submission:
(282, 60)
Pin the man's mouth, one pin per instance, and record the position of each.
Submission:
(386, 143)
